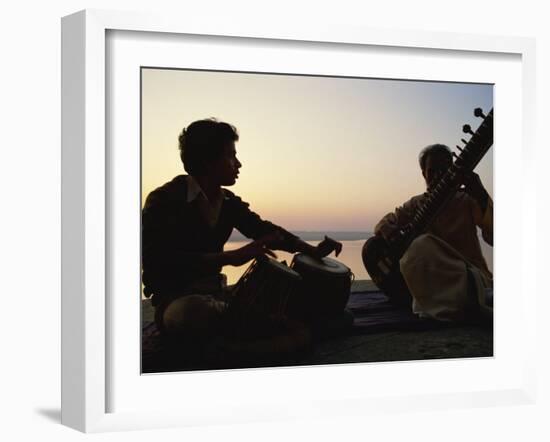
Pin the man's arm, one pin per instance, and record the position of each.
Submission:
(388, 226)
(161, 251)
(237, 257)
(275, 237)
(295, 244)
(482, 206)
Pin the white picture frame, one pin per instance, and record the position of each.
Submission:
(86, 214)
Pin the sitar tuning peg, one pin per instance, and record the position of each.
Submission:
(459, 148)
(464, 141)
(478, 112)
(467, 129)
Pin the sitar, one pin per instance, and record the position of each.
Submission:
(381, 256)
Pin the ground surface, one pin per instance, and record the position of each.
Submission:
(464, 341)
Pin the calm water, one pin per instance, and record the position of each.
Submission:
(350, 256)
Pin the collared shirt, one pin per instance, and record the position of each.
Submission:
(210, 209)
(177, 231)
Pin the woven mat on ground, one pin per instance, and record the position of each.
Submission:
(372, 312)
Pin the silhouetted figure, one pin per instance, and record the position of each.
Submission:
(444, 269)
(185, 225)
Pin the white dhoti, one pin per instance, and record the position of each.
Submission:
(443, 285)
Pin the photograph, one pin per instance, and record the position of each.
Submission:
(302, 220)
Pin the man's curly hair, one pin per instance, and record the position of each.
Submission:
(202, 142)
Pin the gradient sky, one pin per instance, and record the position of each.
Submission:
(318, 153)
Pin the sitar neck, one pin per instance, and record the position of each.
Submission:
(436, 199)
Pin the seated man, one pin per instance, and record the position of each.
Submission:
(444, 269)
(187, 221)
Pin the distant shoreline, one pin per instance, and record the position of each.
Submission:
(315, 236)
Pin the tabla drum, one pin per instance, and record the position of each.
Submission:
(259, 300)
(324, 289)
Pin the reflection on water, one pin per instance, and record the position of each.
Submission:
(350, 256)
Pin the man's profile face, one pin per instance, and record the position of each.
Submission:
(225, 170)
(435, 167)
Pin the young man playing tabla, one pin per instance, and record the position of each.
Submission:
(185, 225)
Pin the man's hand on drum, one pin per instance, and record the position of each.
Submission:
(327, 246)
(255, 249)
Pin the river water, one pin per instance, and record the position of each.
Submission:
(350, 256)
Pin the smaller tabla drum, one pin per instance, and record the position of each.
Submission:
(324, 290)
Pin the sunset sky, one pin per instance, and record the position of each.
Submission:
(318, 153)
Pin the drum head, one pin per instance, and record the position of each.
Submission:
(327, 265)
